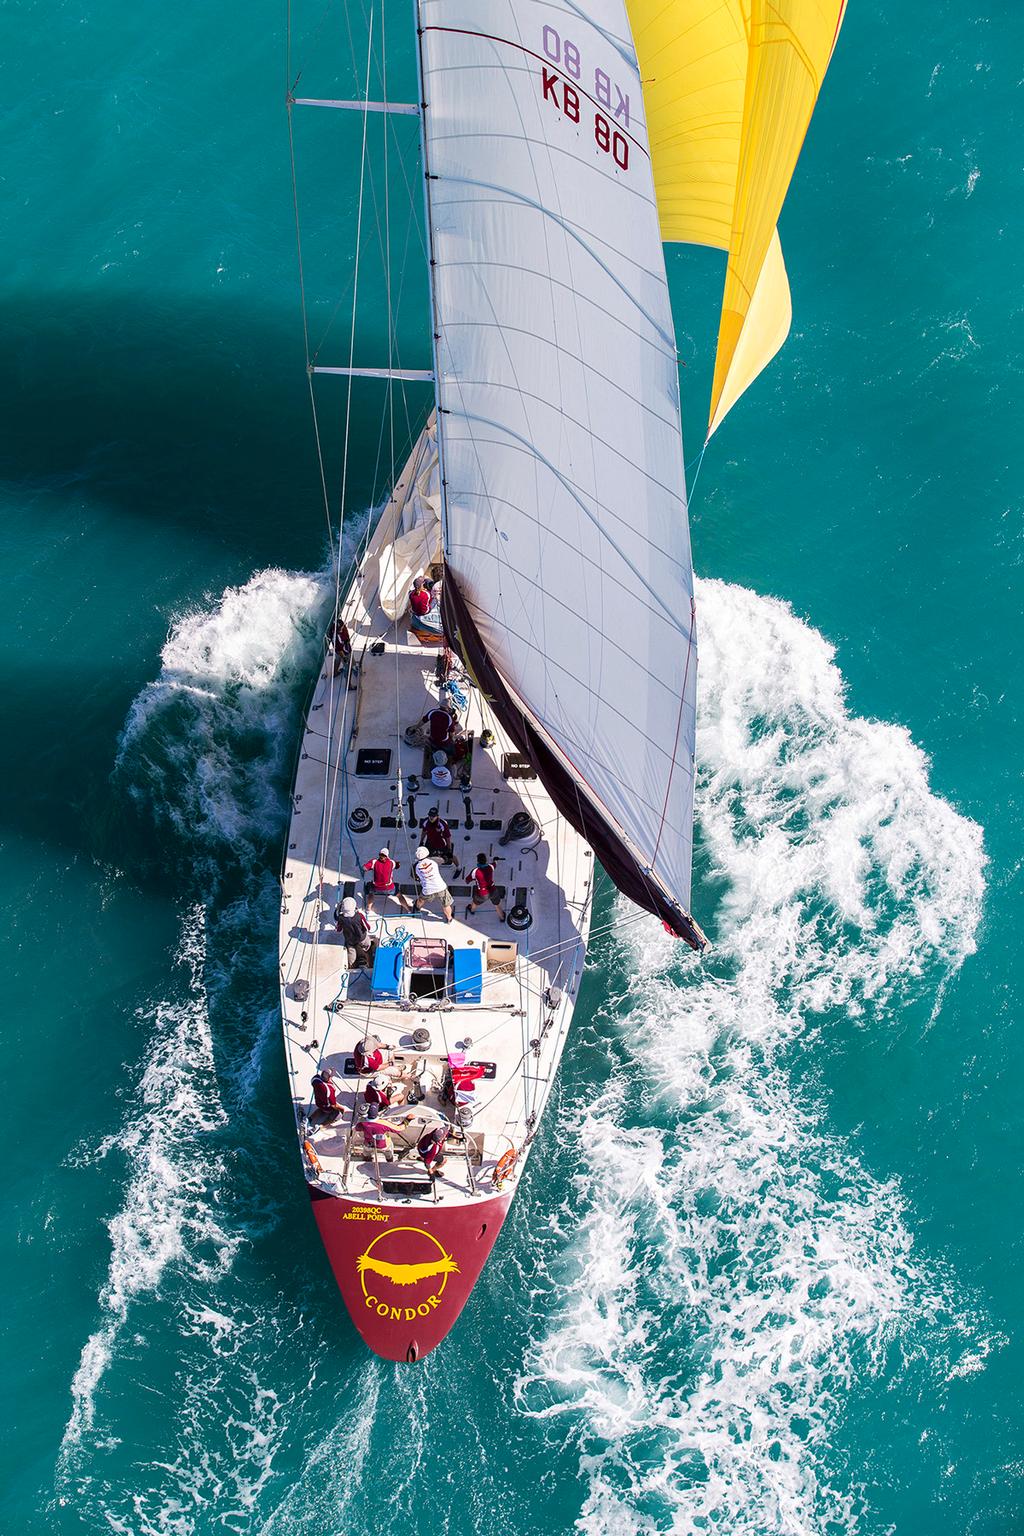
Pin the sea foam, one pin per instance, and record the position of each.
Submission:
(203, 749)
(720, 1214)
(717, 1211)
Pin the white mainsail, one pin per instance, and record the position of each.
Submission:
(564, 505)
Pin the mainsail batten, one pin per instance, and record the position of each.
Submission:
(558, 406)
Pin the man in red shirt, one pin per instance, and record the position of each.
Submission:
(421, 599)
(368, 1055)
(326, 1096)
(423, 606)
(377, 1137)
(437, 835)
(481, 883)
(440, 724)
(382, 882)
(431, 1149)
(382, 1091)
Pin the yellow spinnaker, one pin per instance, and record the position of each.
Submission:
(729, 88)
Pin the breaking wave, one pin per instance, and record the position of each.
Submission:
(205, 748)
(204, 751)
(739, 1270)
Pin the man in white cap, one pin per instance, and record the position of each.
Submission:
(431, 883)
(354, 929)
(441, 774)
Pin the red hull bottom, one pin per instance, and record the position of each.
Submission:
(406, 1272)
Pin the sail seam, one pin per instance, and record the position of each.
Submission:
(651, 275)
(549, 213)
(554, 282)
(522, 445)
(568, 486)
(661, 899)
(611, 707)
(587, 430)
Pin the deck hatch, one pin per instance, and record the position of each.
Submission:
(373, 762)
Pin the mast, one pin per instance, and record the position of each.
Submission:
(435, 326)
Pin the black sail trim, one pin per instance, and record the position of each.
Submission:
(570, 798)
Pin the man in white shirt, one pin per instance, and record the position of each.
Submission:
(431, 883)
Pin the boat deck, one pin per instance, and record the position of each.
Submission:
(507, 1009)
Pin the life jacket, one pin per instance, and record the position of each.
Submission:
(483, 878)
(383, 873)
(324, 1093)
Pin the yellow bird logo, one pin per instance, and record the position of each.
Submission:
(407, 1274)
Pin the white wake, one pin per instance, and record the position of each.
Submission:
(735, 1271)
(204, 750)
(738, 1270)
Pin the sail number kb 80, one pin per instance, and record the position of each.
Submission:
(563, 95)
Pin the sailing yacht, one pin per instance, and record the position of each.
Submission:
(540, 694)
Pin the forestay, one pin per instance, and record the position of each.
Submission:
(566, 541)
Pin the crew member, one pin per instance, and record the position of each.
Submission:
(382, 1091)
(440, 722)
(431, 1149)
(355, 932)
(339, 643)
(481, 884)
(437, 835)
(441, 774)
(431, 883)
(368, 1055)
(325, 1095)
(383, 880)
(421, 598)
(377, 1136)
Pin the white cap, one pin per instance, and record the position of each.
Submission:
(423, 853)
(384, 854)
(348, 907)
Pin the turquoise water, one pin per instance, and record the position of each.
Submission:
(763, 1273)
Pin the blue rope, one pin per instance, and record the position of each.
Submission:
(456, 694)
(696, 477)
(396, 940)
